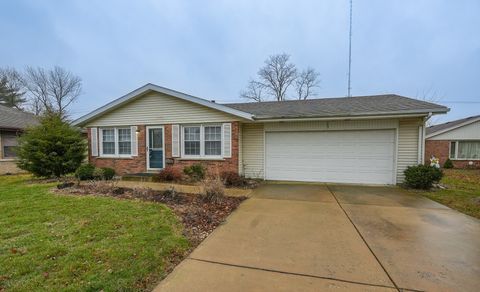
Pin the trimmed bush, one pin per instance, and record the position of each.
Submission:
(448, 164)
(108, 173)
(170, 173)
(85, 172)
(232, 179)
(98, 173)
(422, 176)
(52, 149)
(195, 171)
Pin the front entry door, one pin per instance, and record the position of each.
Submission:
(155, 147)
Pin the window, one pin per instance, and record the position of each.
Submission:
(124, 141)
(108, 141)
(202, 141)
(116, 141)
(213, 140)
(465, 150)
(9, 145)
(453, 146)
(192, 140)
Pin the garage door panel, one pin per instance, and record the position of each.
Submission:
(336, 156)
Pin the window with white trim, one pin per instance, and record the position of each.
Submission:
(465, 150)
(202, 141)
(116, 142)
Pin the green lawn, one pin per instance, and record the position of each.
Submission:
(51, 242)
(462, 193)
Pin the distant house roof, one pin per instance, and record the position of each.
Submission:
(388, 104)
(14, 119)
(445, 127)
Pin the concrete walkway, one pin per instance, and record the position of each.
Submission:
(341, 238)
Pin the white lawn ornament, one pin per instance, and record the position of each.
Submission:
(435, 162)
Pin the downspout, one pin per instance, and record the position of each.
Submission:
(423, 133)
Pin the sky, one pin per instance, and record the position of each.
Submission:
(210, 49)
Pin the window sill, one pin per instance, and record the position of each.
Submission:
(113, 157)
(465, 159)
(202, 158)
(8, 159)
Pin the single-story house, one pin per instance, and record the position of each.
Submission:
(458, 140)
(12, 123)
(365, 139)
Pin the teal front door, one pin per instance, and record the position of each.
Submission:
(155, 147)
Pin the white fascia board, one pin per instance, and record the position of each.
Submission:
(152, 87)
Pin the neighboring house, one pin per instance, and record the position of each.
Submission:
(366, 139)
(458, 140)
(12, 123)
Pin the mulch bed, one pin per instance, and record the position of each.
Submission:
(199, 217)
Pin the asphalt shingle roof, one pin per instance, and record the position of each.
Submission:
(341, 106)
(15, 119)
(448, 125)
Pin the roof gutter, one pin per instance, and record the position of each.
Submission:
(365, 117)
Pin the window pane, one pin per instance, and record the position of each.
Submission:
(452, 149)
(213, 133)
(9, 151)
(468, 150)
(124, 135)
(124, 148)
(108, 147)
(192, 133)
(192, 147)
(213, 148)
(213, 140)
(156, 138)
(108, 135)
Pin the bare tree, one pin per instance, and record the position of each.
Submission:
(253, 91)
(276, 78)
(306, 83)
(277, 75)
(429, 95)
(53, 90)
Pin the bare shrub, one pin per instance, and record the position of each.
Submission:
(213, 190)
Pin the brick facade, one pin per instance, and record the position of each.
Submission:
(441, 150)
(138, 164)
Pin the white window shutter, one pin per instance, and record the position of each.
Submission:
(133, 136)
(227, 140)
(175, 140)
(94, 141)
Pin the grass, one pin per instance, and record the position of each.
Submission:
(462, 193)
(65, 243)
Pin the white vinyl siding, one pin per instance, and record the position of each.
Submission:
(407, 153)
(240, 150)
(158, 109)
(253, 149)
(467, 132)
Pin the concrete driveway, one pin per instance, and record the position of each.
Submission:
(305, 237)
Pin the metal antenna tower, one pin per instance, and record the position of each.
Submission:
(350, 53)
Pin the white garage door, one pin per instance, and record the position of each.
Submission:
(331, 156)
